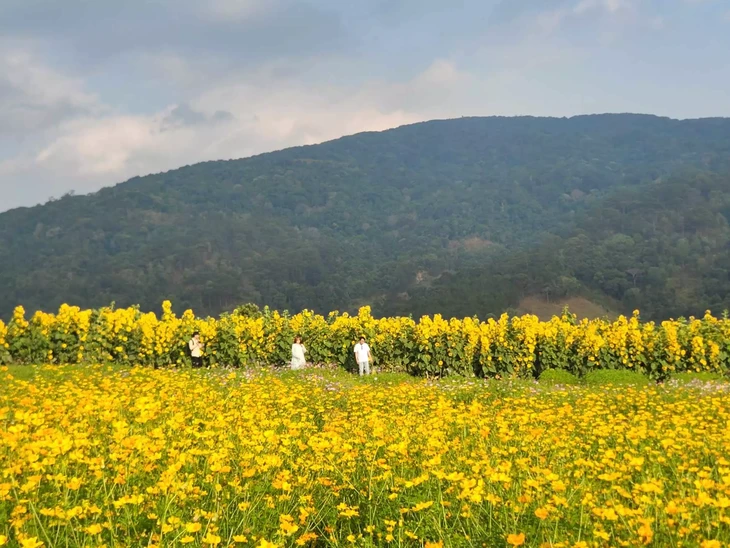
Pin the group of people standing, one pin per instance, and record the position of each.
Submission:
(362, 355)
(298, 350)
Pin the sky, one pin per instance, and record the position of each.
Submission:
(93, 92)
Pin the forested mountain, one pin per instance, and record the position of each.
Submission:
(661, 247)
(461, 217)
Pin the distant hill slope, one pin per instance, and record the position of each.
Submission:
(546, 309)
(463, 216)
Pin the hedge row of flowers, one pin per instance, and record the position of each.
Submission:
(517, 346)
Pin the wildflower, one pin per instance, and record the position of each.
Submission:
(422, 506)
(94, 529)
(211, 539)
(306, 538)
(645, 532)
(304, 453)
(286, 524)
(516, 539)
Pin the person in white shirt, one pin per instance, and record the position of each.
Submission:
(297, 353)
(196, 350)
(362, 356)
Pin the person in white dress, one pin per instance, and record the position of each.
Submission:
(297, 354)
(363, 357)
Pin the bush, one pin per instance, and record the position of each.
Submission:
(616, 377)
(553, 377)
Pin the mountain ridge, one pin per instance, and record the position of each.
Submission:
(324, 226)
(72, 193)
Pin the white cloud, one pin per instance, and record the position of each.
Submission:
(263, 111)
(657, 22)
(236, 77)
(172, 68)
(34, 97)
(235, 9)
(229, 121)
(549, 21)
(98, 147)
(611, 6)
(262, 116)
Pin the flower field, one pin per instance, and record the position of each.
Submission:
(95, 456)
(432, 346)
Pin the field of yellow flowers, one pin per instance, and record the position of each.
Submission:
(432, 346)
(95, 456)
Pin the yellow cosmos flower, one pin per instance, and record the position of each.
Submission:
(306, 538)
(211, 539)
(516, 539)
(191, 453)
(94, 529)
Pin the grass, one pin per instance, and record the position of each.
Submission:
(553, 377)
(549, 377)
(32, 372)
(702, 377)
(615, 377)
(346, 378)
(23, 372)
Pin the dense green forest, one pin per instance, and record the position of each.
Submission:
(461, 217)
(661, 247)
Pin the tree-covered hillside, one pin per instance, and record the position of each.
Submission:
(662, 247)
(460, 216)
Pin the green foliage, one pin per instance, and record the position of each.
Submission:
(616, 377)
(553, 377)
(659, 246)
(460, 217)
(250, 310)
